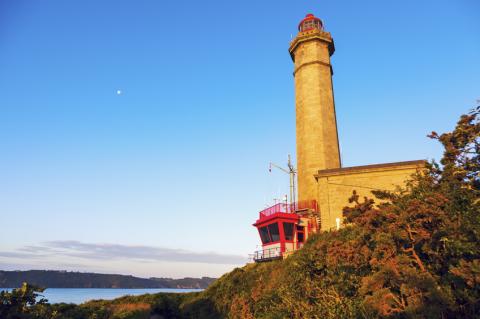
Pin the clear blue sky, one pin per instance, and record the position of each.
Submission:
(166, 178)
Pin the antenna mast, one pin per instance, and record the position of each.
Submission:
(290, 171)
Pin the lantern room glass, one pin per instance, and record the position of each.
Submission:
(309, 23)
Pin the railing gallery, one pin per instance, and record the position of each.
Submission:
(289, 208)
(277, 208)
(270, 254)
(267, 254)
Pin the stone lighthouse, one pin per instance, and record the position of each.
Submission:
(324, 187)
(316, 127)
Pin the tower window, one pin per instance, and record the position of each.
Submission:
(274, 233)
(288, 230)
(264, 236)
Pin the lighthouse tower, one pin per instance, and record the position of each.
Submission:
(323, 186)
(316, 127)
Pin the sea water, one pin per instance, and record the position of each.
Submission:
(81, 295)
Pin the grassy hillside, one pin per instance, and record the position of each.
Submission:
(305, 285)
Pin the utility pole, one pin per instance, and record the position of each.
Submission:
(291, 171)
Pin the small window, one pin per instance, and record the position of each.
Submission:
(264, 235)
(288, 230)
(274, 233)
(300, 237)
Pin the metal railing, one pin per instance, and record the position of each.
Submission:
(270, 254)
(277, 208)
(267, 254)
(289, 208)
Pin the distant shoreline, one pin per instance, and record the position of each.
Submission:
(81, 295)
(66, 279)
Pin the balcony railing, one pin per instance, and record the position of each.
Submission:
(289, 208)
(277, 208)
(270, 254)
(267, 254)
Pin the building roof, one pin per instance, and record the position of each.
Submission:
(373, 167)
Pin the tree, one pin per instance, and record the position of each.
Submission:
(22, 303)
(424, 243)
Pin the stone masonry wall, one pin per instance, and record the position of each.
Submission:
(335, 187)
(317, 141)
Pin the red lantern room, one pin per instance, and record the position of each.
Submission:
(283, 228)
(310, 22)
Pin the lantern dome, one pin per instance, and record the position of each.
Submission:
(310, 22)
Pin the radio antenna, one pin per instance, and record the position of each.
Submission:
(291, 171)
